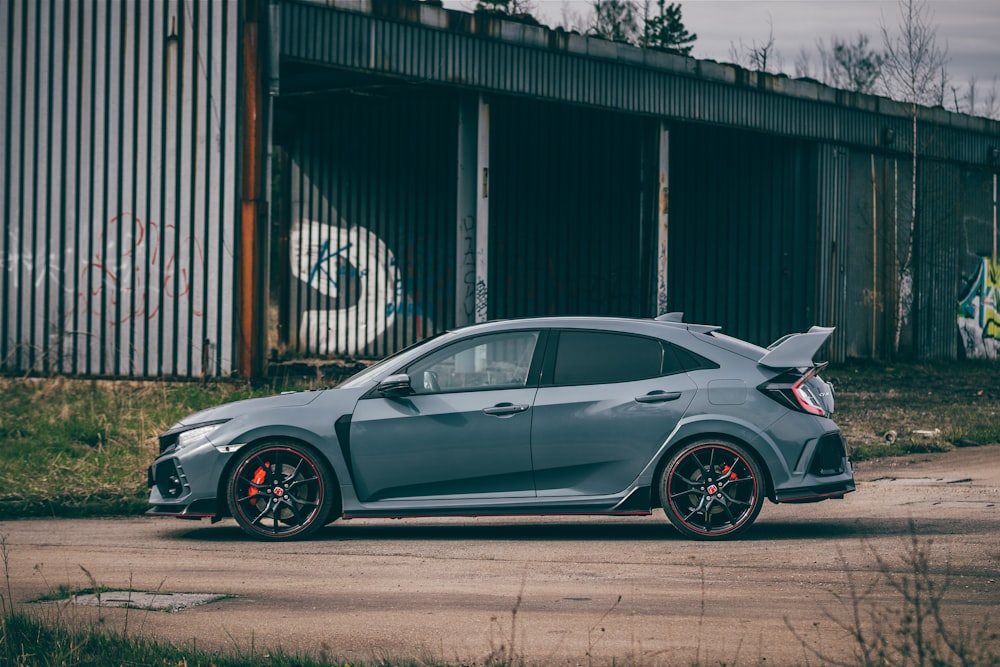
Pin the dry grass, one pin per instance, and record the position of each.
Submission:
(81, 447)
(918, 407)
(73, 447)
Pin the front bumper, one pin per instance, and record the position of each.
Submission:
(184, 483)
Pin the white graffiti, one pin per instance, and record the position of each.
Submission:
(323, 257)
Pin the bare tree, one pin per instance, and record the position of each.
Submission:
(914, 71)
(758, 56)
(976, 100)
(521, 10)
(851, 65)
(989, 104)
(617, 20)
(914, 64)
(572, 20)
(804, 68)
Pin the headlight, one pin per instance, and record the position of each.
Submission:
(179, 437)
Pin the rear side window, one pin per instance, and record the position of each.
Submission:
(598, 357)
(687, 360)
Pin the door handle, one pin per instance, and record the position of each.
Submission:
(658, 397)
(505, 409)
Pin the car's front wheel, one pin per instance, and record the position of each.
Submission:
(712, 489)
(280, 491)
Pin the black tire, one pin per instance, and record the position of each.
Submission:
(712, 489)
(280, 491)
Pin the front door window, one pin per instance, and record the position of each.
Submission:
(498, 361)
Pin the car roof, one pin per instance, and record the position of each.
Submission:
(659, 328)
(628, 324)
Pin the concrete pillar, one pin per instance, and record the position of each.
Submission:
(472, 230)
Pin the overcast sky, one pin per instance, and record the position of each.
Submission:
(969, 28)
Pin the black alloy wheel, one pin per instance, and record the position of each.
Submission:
(280, 491)
(712, 489)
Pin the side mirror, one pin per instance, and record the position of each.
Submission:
(395, 385)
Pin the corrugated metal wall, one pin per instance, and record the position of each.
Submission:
(371, 221)
(119, 163)
(954, 231)
(788, 200)
(118, 167)
(832, 200)
(744, 241)
(937, 278)
(873, 248)
(572, 211)
(978, 314)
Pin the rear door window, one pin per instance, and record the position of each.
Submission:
(600, 357)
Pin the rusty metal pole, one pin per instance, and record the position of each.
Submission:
(253, 202)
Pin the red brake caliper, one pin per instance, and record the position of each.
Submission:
(259, 477)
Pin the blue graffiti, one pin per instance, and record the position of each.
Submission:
(346, 270)
(324, 257)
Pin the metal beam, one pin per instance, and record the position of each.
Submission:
(253, 203)
(663, 226)
(482, 212)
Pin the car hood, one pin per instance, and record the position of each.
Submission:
(250, 405)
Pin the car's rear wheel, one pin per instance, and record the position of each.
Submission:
(712, 489)
(280, 491)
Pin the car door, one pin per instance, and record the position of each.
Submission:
(463, 432)
(606, 403)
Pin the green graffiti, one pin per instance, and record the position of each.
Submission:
(979, 312)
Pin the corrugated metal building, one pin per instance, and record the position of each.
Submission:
(118, 187)
(433, 168)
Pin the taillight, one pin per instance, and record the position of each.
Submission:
(794, 391)
(805, 396)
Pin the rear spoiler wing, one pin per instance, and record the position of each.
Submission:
(796, 350)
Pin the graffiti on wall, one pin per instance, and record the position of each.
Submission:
(356, 275)
(979, 312)
(137, 273)
(467, 292)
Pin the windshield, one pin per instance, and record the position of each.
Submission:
(405, 354)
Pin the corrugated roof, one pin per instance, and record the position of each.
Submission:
(415, 41)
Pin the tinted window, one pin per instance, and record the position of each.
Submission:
(597, 357)
(687, 360)
(485, 362)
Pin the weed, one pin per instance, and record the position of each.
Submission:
(911, 628)
(599, 624)
(504, 653)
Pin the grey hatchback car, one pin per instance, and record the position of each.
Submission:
(524, 417)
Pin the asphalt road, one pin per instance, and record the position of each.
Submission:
(574, 590)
